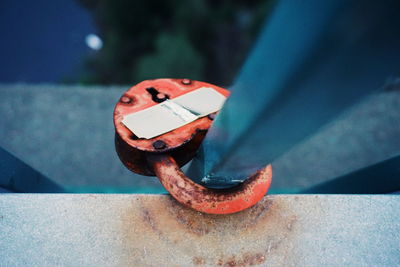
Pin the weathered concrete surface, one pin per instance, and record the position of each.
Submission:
(153, 230)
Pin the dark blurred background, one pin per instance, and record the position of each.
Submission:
(124, 41)
(65, 64)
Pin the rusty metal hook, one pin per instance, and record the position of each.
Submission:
(163, 155)
(208, 200)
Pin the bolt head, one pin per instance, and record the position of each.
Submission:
(159, 144)
(186, 81)
(126, 99)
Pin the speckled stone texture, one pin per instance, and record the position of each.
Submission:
(153, 230)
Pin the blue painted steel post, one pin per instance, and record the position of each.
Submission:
(18, 177)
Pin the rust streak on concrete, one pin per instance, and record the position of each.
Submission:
(261, 235)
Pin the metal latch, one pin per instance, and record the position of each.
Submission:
(163, 155)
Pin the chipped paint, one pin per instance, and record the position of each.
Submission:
(208, 200)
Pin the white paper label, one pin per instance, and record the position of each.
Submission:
(172, 114)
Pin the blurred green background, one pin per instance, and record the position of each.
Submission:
(197, 39)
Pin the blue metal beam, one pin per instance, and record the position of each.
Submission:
(16, 176)
(313, 60)
(380, 178)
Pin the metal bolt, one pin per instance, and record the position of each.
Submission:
(159, 144)
(161, 96)
(126, 99)
(186, 81)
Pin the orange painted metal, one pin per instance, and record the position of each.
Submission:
(181, 143)
(165, 154)
(208, 200)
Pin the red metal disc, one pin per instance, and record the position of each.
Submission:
(181, 143)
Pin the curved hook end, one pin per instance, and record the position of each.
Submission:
(243, 196)
(208, 200)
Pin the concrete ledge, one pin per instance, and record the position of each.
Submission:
(153, 230)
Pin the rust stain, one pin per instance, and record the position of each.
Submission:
(148, 218)
(172, 234)
(247, 259)
(253, 259)
(201, 224)
(198, 261)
